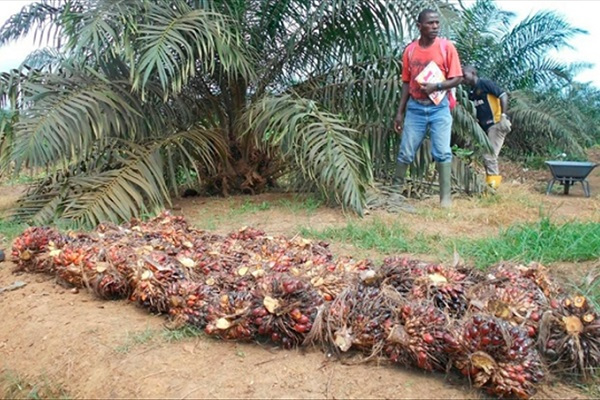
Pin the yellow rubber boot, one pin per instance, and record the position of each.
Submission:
(493, 181)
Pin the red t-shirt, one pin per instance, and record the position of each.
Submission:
(419, 59)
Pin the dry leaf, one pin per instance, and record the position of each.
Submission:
(438, 279)
(242, 271)
(317, 281)
(210, 281)
(343, 339)
(271, 304)
(55, 253)
(258, 273)
(101, 267)
(186, 262)
(146, 275)
(223, 323)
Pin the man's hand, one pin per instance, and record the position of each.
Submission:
(504, 124)
(429, 87)
(398, 123)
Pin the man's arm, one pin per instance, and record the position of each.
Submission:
(504, 102)
(399, 121)
(447, 84)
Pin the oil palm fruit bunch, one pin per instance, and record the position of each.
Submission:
(397, 272)
(31, 249)
(570, 336)
(497, 356)
(513, 303)
(75, 263)
(150, 282)
(419, 337)
(228, 316)
(446, 286)
(107, 282)
(529, 277)
(188, 301)
(356, 319)
(284, 308)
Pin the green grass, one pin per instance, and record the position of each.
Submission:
(545, 242)
(136, 339)
(183, 333)
(249, 207)
(9, 230)
(308, 204)
(590, 288)
(17, 386)
(375, 235)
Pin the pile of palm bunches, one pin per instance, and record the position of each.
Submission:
(570, 336)
(248, 285)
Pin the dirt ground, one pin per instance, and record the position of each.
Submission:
(99, 349)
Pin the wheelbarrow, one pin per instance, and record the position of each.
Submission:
(569, 172)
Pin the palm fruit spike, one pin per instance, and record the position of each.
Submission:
(534, 274)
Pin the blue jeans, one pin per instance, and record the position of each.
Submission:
(418, 118)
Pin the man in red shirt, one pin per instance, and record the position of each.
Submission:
(417, 113)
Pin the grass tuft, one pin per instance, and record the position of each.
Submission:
(10, 230)
(136, 339)
(183, 333)
(375, 235)
(545, 242)
(16, 386)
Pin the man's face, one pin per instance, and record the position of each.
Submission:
(469, 76)
(430, 26)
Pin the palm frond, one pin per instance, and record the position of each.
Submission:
(103, 28)
(539, 122)
(118, 181)
(68, 115)
(42, 17)
(118, 194)
(46, 59)
(174, 38)
(318, 143)
(6, 140)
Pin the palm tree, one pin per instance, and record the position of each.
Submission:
(132, 95)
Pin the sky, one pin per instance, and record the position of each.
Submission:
(579, 13)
